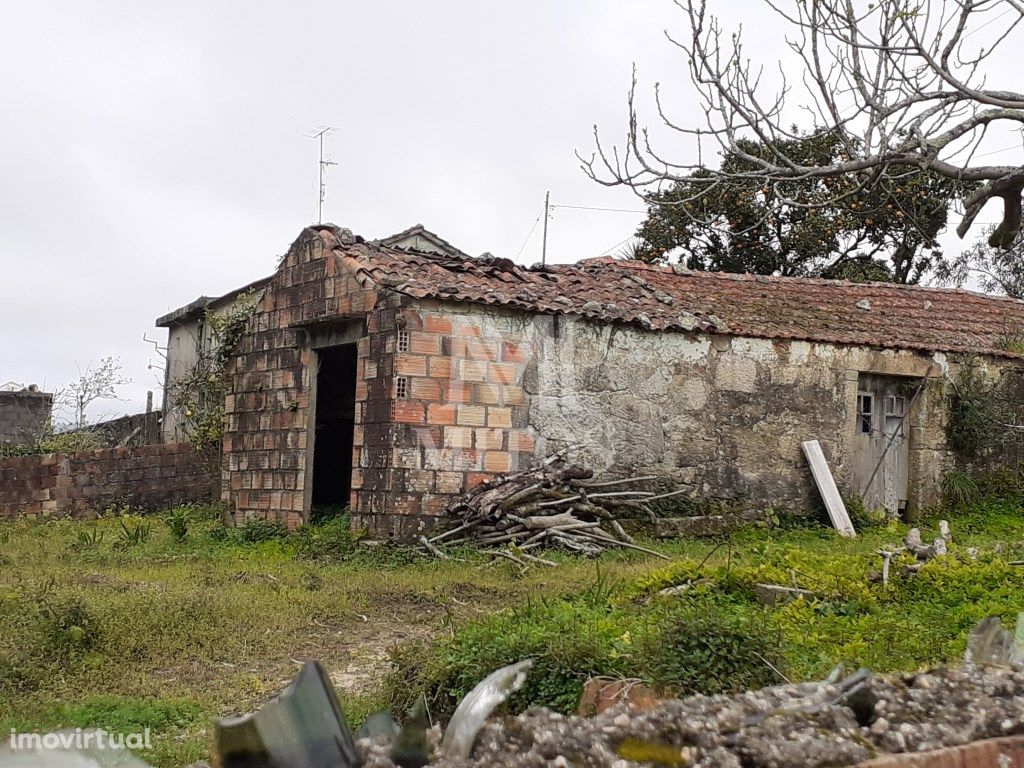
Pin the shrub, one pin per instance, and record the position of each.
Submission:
(68, 625)
(959, 488)
(698, 648)
(177, 521)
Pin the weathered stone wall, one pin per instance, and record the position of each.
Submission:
(23, 416)
(493, 390)
(82, 484)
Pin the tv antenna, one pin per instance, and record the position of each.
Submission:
(319, 133)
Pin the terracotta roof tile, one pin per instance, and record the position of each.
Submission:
(667, 298)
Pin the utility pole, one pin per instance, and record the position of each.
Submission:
(544, 247)
(319, 134)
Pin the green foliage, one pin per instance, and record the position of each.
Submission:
(177, 521)
(332, 539)
(88, 538)
(132, 532)
(696, 647)
(60, 442)
(959, 488)
(125, 715)
(68, 625)
(976, 412)
(198, 397)
(262, 530)
(886, 230)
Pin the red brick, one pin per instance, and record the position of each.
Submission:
(466, 458)
(520, 440)
(420, 480)
(433, 504)
(487, 394)
(499, 417)
(440, 367)
(512, 352)
(456, 392)
(441, 413)
(503, 373)
(408, 412)
(458, 437)
(437, 324)
(490, 439)
(471, 415)
(497, 461)
(425, 389)
(424, 343)
(462, 328)
(473, 479)
(450, 482)
(473, 370)
(410, 365)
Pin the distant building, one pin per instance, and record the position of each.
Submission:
(24, 413)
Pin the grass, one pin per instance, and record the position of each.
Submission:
(104, 626)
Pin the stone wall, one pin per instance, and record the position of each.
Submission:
(491, 390)
(24, 416)
(81, 484)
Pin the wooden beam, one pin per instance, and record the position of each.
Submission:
(827, 488)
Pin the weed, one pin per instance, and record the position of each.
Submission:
(177, 521)
(133, 532)
(88, 538)
(959, 488)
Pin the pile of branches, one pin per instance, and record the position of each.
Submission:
(555, 504)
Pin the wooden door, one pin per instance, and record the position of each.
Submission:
(882, 441)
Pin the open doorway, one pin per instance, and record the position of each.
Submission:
(335, 424)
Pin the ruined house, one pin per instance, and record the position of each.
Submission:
(392, 376)
(24, 413)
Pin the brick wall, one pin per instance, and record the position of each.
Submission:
(270, 380)
(80, 484)
(461, 418)
(23, 416)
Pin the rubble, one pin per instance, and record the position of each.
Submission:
(797, 726)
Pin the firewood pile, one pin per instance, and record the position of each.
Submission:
(556, 504)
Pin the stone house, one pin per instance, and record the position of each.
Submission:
(391, 377)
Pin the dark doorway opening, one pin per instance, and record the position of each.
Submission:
(335, 424)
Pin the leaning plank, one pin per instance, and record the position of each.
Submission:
(827, 488)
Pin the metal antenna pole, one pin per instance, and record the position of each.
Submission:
(544, 248)
(319, 134)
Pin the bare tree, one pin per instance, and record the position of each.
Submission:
(902, 81)
(96, 382)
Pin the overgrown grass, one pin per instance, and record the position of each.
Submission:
(716, 636)
(104, 626)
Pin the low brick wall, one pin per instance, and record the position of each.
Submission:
(80, 484)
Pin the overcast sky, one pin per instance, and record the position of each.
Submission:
(155, 152)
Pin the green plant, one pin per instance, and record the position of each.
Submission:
(700, 647)
(262, 530)
(68, 624)
(177, 520)
(133, 532)
(959, 488)
(88, 538)
(976, 413)
(198, 396)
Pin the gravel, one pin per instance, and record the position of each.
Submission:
(797, 726)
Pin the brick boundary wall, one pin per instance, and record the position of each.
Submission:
(1006, 752)
(78, 485)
